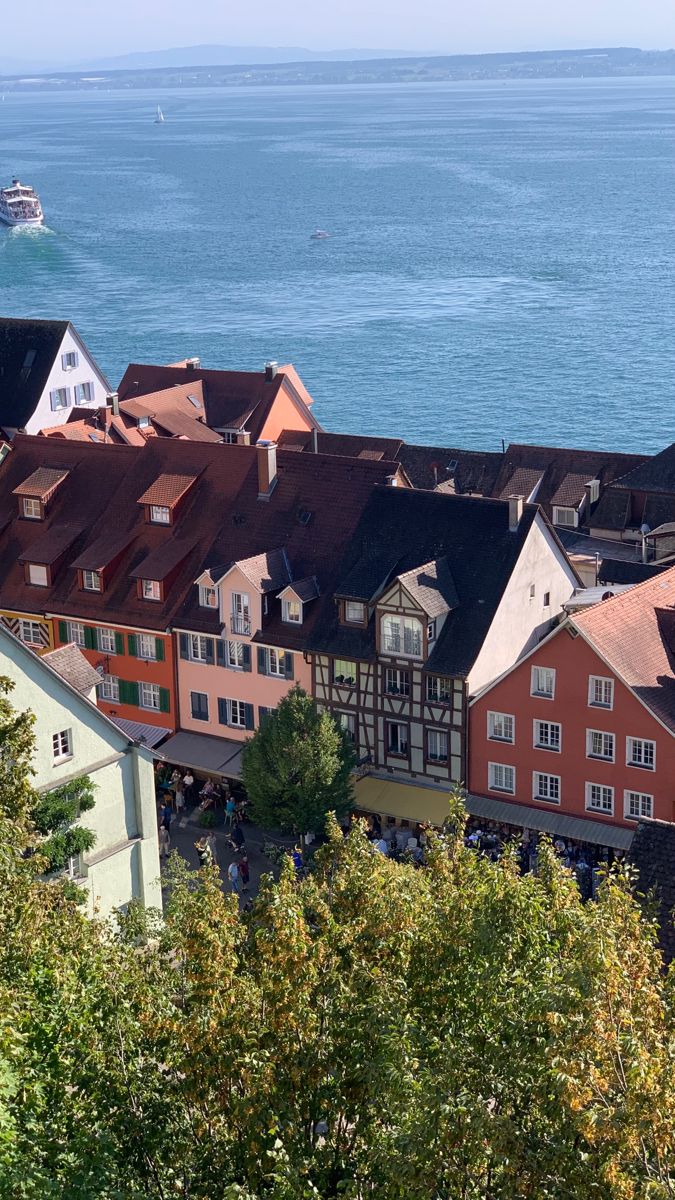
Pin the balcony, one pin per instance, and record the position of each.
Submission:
(240, 624)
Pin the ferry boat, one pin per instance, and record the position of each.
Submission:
(20, 205)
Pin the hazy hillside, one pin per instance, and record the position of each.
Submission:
(219, 56)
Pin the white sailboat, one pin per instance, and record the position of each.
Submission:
(160, 118)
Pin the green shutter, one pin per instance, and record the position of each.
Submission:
(131, 641)
(90, 641)
(63, 631)
(128, 692)
(164, 700)
(159, 651)
(119, 643)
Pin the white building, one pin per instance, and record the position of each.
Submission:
(45, 372)
(73, 738)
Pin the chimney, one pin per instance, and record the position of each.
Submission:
(113, 402)
(193, 364)
(515, 512)
(315, 441)
(267, 469)
(271, 369)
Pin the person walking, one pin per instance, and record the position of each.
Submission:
(213, 847)
(164, 842)
(244, 873)
(167, 813)
(233, 877)
(204, 852)
(180, 800)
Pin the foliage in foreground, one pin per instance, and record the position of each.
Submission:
(371, 1031)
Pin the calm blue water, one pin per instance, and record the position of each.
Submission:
(502, 259)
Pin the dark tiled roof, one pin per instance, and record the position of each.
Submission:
(366, 579)
(41, 483)
(69, 662)
(658, 510)
(348, 445)
(163, 560)
(432, 587)
(54, 541)
(611, 511)
(571, 490)
(565, 472)
(522, 482)
(653, 853)
(27, 353)
(468, 472)
(655, 474)
(617, 570)
(167, 490)
(304, 589)
(101, 552)
(471, 533)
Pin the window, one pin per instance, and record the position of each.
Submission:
(151, 589)
(241, 613)
(235, 655)
(91, 581)
(207, 596)
(599, 744)
(546, 787)
(75, 632)
(397, 738)
(236, 713)
(110, 688)
(344, 672)
(431, 631)
(150, 695)
(229, 438)
(59, 398)
(501, 727)
(543, 682)
(599, 798)
(143, 422)
(402, 635)
(83, 393)
(147, 646)
(291, 612)
(276, 663)
(31, 633)
(32, 509)
(533, 591)
(641, 753)
(62, 745)
(106, 640)
(637, 804)
(565, 516)
(501, 778)
(439, 689)
(199, 706)
(160, 514)
(37, 574)
(355, 612)
(547, 735)
(437, 745)
(70, 360)
(396, 683)
(198, 648)
(547, 599)
(347, 722)
(600, 692)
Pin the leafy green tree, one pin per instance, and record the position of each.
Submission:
(54, 816)
(297, 767)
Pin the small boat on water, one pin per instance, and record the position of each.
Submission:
(160, 118)
(20, 205)
(319, 235)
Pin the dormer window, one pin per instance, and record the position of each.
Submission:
(207, 597)
(401, 635)
(31, 509)
(431, 631)
(355, 612)
(160, 514)
(38, 574)
(92, 581)
(291, 612)
(143, 422)
(151, 589)
(164, 496)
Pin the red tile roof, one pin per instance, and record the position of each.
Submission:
(633, 633)
(167, 490)
(41, 484)
(267, 572)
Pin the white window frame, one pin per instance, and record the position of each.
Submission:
(567, 509)
(438, 699)
(62, 746)
(290, 607)
(238, 707)
(205, 592)
(494, 770)
(87, 388)
(105, 640)
(535, 679)
(76, 632)
(631, 743)
(149, 690)
(275, 663)
(30, 626)
(494, 720)
(399, 725)
(603, 680)
(42, 572)
(335, 673)
(398, 676)
(355, 612)
(537, 788)
(234, 655)
(590, 807)
(91, 581)
(59, 398)
(437, 733)
(31, 508)
(240, 609)
(110, 688)
(644, 800)
(602, 733)
(160, 514)
(147, 647)
(66, 363)
(151, 589)
(198, 647)
(402, 636)
(541, 744)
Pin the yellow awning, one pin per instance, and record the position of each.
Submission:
(403, 800)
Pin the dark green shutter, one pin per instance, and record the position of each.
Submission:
(90, 641)
(159, 649)
(288, 666)
(63, 631)
(220, 652)
(248, 711)
(164, 700)
(246, 658)
(209, 651)
(184, 646)
(119, 643)
(128, 692)
(222, 712)
(133, 645)
(262, 661)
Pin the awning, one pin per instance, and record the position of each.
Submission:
(216, 756)
(410, 803)
(147, 735)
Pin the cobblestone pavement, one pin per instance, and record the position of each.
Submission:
(187, 830)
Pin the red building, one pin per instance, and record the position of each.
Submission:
(584, 725)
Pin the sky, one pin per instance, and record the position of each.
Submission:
(72, 29)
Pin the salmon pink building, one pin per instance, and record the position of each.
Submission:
(584, 725)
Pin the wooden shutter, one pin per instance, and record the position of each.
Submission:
(262, 661)
(246, 657)
(250, 721)
(128, 692)
(90, 642)
(119, 643)
(220, 652)
(159, 649)
(288, 666)
(209, 651)
(133, 645)
(164, 700)
(184, 645)
(63, 631)
(222, 712)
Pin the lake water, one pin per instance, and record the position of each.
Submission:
(501, 259)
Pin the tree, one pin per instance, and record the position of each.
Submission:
(54, 815)
(297, 766)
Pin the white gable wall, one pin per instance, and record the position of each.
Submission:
(521, 620)
(86, 371)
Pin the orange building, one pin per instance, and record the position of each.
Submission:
(584, 725)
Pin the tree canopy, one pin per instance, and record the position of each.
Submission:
(297, 766)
